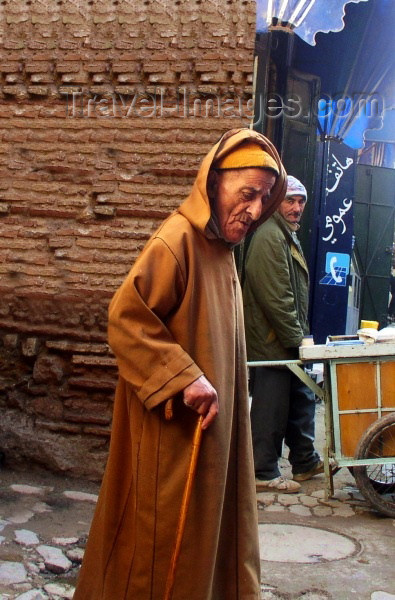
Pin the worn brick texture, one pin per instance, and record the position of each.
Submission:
(106, 109)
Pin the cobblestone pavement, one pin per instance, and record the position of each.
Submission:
(367, 574)
(44, 523)
(45, 519)
(345, 503)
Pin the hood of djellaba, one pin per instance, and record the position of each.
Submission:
(197, 208)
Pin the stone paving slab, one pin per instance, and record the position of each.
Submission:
(44, 527)
(341, 505)
(34, 563)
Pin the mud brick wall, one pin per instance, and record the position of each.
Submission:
(106, 109)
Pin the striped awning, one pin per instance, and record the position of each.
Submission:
(305, 17)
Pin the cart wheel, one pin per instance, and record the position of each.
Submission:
(379, 486)
(377, 482)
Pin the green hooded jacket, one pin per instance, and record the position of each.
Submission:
(275, 292)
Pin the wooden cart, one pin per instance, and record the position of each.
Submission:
(359, 396)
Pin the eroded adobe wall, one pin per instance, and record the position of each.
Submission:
(101, 136)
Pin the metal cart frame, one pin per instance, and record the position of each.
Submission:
(374, 355)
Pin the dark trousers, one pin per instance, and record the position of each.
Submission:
(282, 409)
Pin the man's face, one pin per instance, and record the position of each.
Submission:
(291, 208)
(239, 197)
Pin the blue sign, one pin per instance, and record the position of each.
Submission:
(334, 214)
(337, 267)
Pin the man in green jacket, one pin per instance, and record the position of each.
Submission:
(276, 290)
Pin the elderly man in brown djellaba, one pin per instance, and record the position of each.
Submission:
(176, 328)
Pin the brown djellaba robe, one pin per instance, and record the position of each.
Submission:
(178, 315)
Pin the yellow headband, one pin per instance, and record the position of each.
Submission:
(247, 155)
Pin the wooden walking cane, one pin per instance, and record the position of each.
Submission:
(197, 436)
